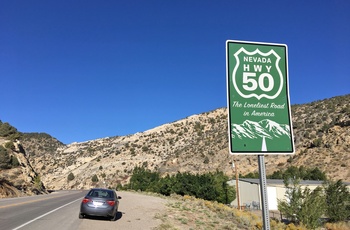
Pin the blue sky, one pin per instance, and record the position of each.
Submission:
(82, 70)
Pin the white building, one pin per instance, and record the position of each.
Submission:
(250, 196)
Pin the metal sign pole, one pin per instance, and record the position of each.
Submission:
(263, 192)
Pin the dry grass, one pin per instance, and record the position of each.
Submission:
(338, 226)
(191, 213)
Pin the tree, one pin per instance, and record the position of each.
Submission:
(225, 194)
(301, 172)
(206, 188)
(255, 175)
(165, 185)
(185, 184)
(209, 186)
(312, 208)
(316, 174)
(303, 206)
(290, 207)
(143, 179)
(338, 201)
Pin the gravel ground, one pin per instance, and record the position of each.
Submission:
(136, 211)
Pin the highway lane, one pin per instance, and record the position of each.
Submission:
(58, 210)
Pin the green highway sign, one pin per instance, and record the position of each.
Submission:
(258, 98)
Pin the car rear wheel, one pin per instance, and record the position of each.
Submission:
(81, 216)
(114, 218)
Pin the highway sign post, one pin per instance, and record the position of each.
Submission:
(259, 115)
(258, 98)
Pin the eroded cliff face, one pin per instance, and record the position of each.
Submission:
(18, 177)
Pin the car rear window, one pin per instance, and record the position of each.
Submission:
(101, 193)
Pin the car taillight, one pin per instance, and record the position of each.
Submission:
(111, 202)
(85, 200)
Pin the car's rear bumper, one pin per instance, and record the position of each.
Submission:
(95, 211)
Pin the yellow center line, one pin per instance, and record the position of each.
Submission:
(32, 201)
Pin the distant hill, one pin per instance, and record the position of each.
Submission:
(196, 144)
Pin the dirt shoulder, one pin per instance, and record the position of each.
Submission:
(136, 211)
(147, 211)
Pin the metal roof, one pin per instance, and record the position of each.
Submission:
(279, 182)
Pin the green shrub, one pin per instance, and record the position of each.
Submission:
(14, 161)
(70, 176)
(5, 160)
(317, 142)
(299, 172)
(37, 182)
(209, 186)
(94, 178)
(338, 201)
(6, 130)
(10, 145)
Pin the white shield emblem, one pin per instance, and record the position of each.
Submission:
(257, 74)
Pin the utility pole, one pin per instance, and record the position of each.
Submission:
(234, 167)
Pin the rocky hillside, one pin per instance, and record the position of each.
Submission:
(196, 144)
(17, 176)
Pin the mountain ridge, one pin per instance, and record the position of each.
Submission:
(195, 144)
(264, 128)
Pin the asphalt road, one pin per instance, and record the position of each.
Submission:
(60, 210)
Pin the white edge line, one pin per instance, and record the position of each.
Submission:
(21, 226)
